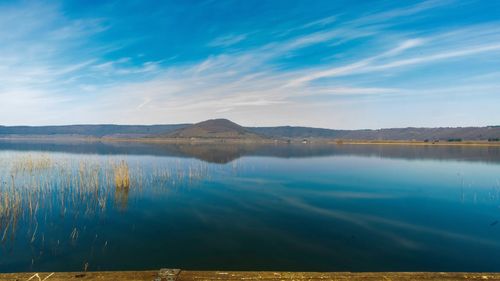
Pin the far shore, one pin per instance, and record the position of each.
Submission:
(419, 143)
(295, 141)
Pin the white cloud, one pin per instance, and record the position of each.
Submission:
(374, 64)
(321, 22)
(49, 68)
(228, 40)
(386, 16)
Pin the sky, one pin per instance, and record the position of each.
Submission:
(323, 63)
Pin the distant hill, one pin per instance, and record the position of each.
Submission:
(225, 129)
(214, 129)
(295, 132)
(92, 130)
(464, 133)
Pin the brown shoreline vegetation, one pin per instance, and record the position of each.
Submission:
(420, 143)
(323, 141)
(302, 141)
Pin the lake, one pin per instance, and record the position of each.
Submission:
(130, 206)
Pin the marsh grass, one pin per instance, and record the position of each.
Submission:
(122, 183)
(48, 202)
(36, 191)
(30, 164)
(122, 175)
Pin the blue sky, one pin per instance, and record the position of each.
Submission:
(334, 64)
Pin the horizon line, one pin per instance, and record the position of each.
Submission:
(295, 126)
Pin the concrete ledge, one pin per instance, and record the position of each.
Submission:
(244, 275)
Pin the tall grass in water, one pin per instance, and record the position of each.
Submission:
(10, 211)
(122, 175)
(122, 183)
(30, 184)
(31, 164)
(49, 201)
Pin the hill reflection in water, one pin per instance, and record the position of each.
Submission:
(225, 153)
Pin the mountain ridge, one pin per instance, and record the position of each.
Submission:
(223, 128)
(215, 129)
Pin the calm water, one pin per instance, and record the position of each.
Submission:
(310, 208)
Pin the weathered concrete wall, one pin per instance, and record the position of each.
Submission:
(227, 275)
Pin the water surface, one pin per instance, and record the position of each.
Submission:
(232, 207)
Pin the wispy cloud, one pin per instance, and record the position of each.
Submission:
(356, 66)
(396, 13)
(228, 40)
(52, 67)
(321, 22)
(228, 85)
(370, 64)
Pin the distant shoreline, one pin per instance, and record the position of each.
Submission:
(301, 141)
(416, 143)
(229, 131)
